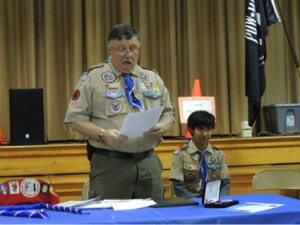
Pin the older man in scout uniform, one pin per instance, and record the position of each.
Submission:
(121, 168)
(198, 161)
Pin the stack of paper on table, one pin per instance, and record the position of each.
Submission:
(116, 204)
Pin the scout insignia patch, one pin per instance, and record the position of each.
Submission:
(155, 87)
(174, 165)
(176, 152)
(152, 94)
(108, 77)
(14, 187)
(45, 188)
(76, 95)
(190, 175)
(143, 76)
(114, 94)
(3, 189)
(83, 76)
(214, 174)
(213, 160)
(143, 87)
(115, 107)
(149, 86)
(213, 166)
(30, 188)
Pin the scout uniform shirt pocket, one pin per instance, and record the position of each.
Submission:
(192, 175)
(213, 168)
(115, 103)
(152, 94)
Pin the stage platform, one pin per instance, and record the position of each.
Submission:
(66, 166)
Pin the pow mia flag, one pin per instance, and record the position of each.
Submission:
(259, 15)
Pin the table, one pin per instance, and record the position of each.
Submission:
(289, 213)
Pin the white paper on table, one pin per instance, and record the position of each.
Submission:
(252, 207)
(132, 204)
(136, 124)
(91, 203)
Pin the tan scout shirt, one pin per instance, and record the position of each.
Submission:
(100, 97)
(185, 166)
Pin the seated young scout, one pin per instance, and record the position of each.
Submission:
(198, 161)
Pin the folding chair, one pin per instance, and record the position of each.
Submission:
(85, 190)
(275, 179)
(171, 190)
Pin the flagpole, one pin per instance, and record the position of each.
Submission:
(289, 41)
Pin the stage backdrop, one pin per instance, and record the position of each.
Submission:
(49, 43)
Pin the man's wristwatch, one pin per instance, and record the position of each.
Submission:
(101, 135)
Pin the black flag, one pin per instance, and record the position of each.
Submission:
(259, 15)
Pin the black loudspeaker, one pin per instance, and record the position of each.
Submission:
(26, 116)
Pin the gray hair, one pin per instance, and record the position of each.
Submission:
(123, 30)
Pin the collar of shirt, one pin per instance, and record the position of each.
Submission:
(118, 73)
(192, 148)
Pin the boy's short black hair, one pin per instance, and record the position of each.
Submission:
(201, 118)
(123, 30)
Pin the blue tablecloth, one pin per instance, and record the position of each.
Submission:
(289, 213)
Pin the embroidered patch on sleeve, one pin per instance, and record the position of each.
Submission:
(83, 76)
(176, 152)
(76, 95)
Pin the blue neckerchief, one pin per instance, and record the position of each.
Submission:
(203, 170)
(133, 100)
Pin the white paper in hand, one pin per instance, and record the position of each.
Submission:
(136, 124)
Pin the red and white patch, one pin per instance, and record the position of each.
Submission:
(30, 188)
(115, 107)
(14, 187)
(76, 95)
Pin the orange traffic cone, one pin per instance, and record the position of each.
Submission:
(1, 135)
(196, 93)
(2, 142)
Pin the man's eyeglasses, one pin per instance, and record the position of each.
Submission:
(124, 51)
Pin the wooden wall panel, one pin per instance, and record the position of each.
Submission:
(66, 167)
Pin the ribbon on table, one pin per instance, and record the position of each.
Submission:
(30, 214)
(26, 210)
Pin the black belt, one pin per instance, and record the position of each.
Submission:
(126, 155)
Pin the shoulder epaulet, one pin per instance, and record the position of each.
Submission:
(146, 68)
(215, 147)
(182, 147)
(94, 67)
